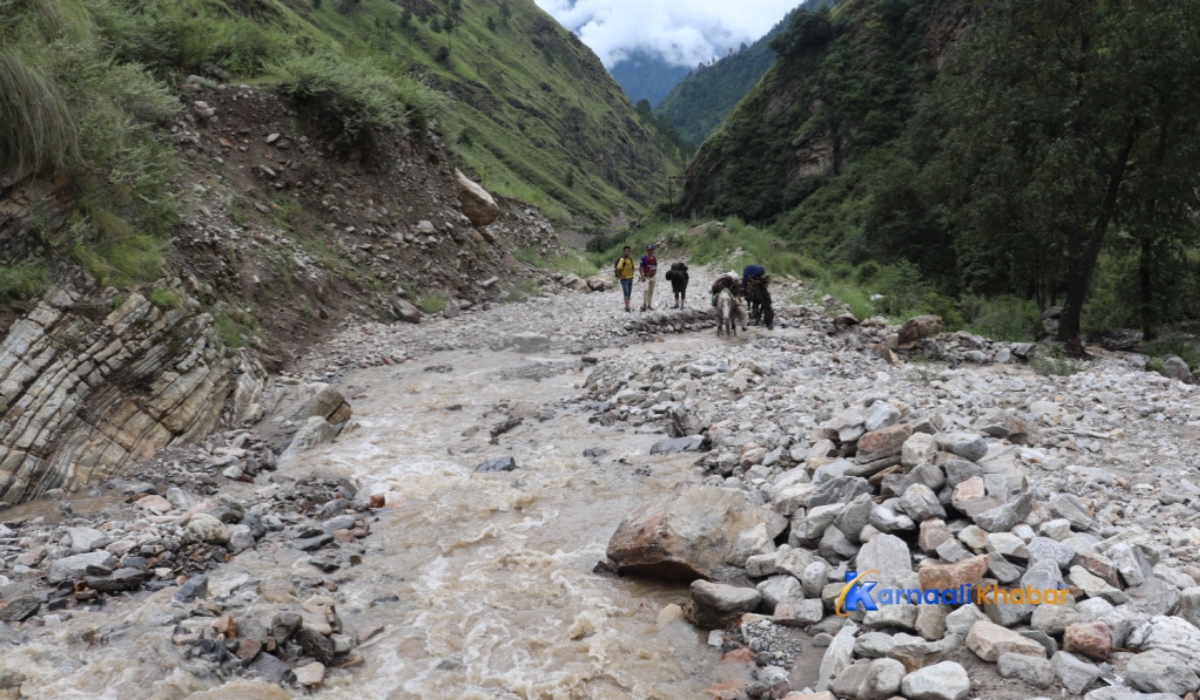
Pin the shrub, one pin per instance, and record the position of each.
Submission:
(355, 96)
(164, 298)
(23, 280)
(37, 128)
(1005, 318)
(432, 303)
(1185, 348)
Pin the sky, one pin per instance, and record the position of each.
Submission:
(683, 32)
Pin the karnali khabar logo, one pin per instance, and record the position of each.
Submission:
(860, 596)
(856, 594)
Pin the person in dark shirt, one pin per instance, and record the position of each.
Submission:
(648, 270)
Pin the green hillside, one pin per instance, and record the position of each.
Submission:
(528, 106)
(1038, 155)
(702, 100)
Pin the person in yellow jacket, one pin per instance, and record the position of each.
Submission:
(624, 272)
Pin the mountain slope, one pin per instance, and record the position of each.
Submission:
(843, 89)
(531, 108)
(699, 102)
(645, 76)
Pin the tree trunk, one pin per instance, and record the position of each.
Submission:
(1083, 262)
(1146, 280)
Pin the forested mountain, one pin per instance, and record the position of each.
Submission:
(647, 76)
(1048, 151)
(702, 100)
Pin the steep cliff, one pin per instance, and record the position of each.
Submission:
(844, 86)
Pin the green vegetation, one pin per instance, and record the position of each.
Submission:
(1185, 349)
(432, 304)
(164, 298)
(23, 280)
(1051, 160)
(572, 262)
(237, 329)
(354, 98)
(702, 100)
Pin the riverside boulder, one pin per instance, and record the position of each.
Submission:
(687, 534)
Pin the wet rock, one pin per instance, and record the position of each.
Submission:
(284, 624)
(527, 342)
(315, 644)
(676, 445)
(20, 609)
(315, 431)
(310, 675)
(195, 588)
(943, 681)
(313, 543)
(688, 533)
(503, 464)
(725, 598)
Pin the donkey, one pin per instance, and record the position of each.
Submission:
(758, 295)
(730, 313)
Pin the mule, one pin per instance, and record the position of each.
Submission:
(758, 296)
(730, 313)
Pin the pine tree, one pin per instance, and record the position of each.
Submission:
(491, 24)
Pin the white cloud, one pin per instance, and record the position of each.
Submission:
(684, 32)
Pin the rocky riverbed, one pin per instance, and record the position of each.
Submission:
(456, 508)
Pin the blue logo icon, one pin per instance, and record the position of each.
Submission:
(856, 594)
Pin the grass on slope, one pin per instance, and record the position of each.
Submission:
(531, 109)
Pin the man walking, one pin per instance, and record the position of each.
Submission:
(624, 272)
(649, 269)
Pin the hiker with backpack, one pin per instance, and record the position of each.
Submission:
(648, 269)
(623, 269)
(678, 277)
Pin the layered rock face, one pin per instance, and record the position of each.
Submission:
(86, 393)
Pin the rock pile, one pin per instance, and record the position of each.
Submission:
(979, 486)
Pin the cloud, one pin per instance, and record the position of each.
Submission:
(683, 32)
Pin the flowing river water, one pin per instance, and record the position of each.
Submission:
(484, 582)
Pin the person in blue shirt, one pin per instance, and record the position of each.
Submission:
(751, 272)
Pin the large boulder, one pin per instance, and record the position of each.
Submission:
(919, 328)
(688, 533)
(477, 204)
(405, 310)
